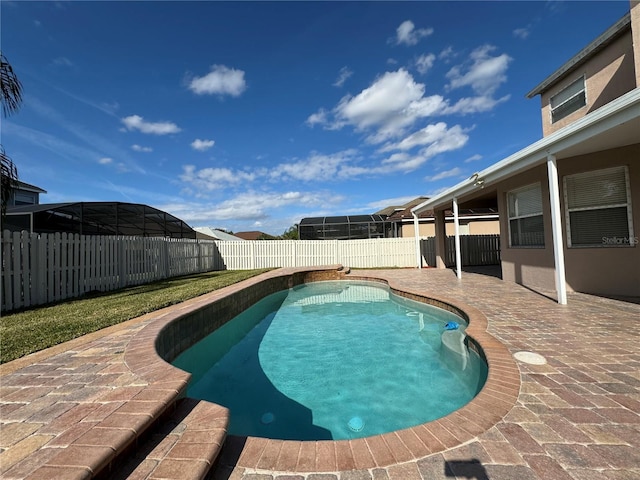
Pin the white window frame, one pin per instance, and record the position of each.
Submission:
(592, 173)
(584, 89)
(531, 186)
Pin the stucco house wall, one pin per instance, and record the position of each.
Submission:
(609, 74)
(467, 227)
(529, 266)
(605, 270)
(635, 30)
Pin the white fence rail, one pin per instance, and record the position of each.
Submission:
(377, 252)
(46, 268)
(39, 269)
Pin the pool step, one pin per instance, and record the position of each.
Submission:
(183, 446)
(169, 437)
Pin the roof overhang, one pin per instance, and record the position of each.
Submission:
(583, 55)
(613, 125)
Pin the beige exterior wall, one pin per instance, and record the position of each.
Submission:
(599, 270)
(606, 270)
(467, 227)
(426, 230)
(635, 30)
(529, 266)
(486, 227)
(608, 75)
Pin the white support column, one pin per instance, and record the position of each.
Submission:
(556, 228)
(456, 225)
(416, 234)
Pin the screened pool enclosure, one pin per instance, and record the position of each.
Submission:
(344, 228)
(97, 218)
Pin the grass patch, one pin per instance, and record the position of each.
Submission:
(32, 330)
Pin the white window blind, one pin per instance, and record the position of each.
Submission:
(526, 226)
(568, 100)
(598, 208)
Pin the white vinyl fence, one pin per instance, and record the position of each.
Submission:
(372, 253)
(45, 268)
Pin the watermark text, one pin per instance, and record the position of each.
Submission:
(620, 241)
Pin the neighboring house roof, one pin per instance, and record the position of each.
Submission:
(388, 211)
(253, 235)
(612, 33)
(393, 211)
(403, 214)
(615, 124)
(29, 188)
(217, 234)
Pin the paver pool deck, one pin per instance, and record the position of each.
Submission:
(575, 417)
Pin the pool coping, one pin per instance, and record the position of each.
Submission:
(488, 407)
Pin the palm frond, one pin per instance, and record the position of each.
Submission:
(9, 176)
(10, 88)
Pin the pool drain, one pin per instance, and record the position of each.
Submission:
(530, 357)
(356, 424)
(268, 418)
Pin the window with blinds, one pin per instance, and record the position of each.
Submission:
(568, 100)
(526, 225)
(598, 208)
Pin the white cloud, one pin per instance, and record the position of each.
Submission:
(249, 206)
(425, 62)
(436, 136)
(105, 161)
(447, 54)
(343, 75)
(473, 158)
(62, 62)
(209, 179)
(316, 167)
(84, 135)
(485, 74)
(403, 162)
(482, 103)
(318, 118)
(407, 34)
(391, 104)
(454, 172)
(387, 202)
(221, 80)
(136, 122)
(202, 145)
(522, 33)
(139, 148)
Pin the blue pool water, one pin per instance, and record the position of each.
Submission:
(332, 360)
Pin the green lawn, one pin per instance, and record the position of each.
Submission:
(35, 329)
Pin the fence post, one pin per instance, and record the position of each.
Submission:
(121, 262)
(253, 254)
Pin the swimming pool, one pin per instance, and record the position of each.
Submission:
(334, 360)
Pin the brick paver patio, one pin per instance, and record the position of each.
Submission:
(576, 417)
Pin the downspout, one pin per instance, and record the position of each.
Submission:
(456, 225)
(416, 234)
(556, 228)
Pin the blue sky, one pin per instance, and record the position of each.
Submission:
(251, 116)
